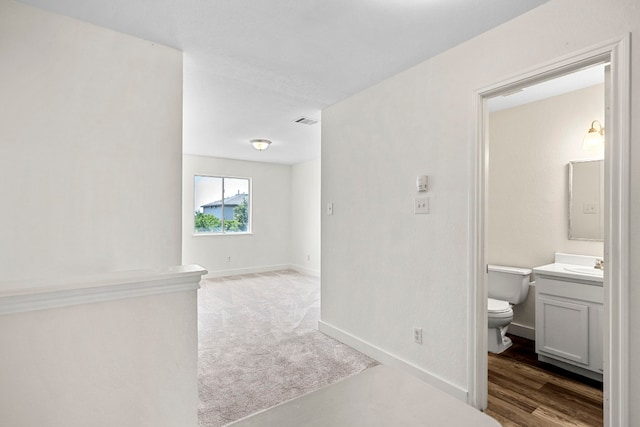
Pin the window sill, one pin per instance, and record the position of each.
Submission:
(248, 233)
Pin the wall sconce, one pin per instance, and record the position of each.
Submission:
(594, 139)
(260, 144)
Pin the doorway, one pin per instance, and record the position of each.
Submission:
(615, 52)
(535, 134)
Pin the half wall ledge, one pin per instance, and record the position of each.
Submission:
(24, 296)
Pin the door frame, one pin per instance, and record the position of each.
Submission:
(616, 51)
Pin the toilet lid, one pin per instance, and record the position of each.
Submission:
(498, 306)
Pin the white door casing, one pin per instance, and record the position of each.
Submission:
(616, 246)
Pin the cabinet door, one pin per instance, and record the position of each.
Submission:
(564, 329)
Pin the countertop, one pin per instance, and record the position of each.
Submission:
(572, 267)
(561, 270)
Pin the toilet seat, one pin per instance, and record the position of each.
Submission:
(496, 306)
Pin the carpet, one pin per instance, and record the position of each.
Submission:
(259, 345)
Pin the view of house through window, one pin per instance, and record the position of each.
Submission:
(221, 205)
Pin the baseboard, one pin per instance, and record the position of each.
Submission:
(522, 331)
(305, 270)
(247, 270)
(572, 368)
(389, 359)
(262, 269)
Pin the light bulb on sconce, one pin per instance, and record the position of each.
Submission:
(594, 139)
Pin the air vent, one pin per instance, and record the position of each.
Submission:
(305, 121)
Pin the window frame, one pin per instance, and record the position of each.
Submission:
(222, 231)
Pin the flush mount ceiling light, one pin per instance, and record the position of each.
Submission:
(260, 144)
(594, 139)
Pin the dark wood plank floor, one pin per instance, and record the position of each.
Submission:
(526, 392)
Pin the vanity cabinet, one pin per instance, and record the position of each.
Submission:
(569, 318)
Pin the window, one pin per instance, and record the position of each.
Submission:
(221, 205)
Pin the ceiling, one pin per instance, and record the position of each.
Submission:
(252, 67)
(581, 79)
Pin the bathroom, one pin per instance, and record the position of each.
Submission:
(531, 147)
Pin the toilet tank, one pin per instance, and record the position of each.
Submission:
(508, 283)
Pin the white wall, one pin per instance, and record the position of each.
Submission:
(130, 362)
(286, 219)
(268, 246)
(385, 270)
(530, 147)
(90, 179)
(90, 152)
(305, 217)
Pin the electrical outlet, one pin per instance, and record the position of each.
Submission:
(228, 259)
(308, 257)
(417, 335)
(590, 208)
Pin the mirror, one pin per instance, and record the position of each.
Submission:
(586, 200)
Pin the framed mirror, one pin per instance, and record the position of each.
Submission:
(586, 200)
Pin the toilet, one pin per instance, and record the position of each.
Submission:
(507, 286)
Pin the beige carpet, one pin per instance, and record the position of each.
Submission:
(259, 345)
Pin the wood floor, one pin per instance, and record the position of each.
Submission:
(526, 392)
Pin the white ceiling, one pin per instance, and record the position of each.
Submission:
(251, 67)
(568, 83)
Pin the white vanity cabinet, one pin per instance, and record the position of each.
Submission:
(569, 319)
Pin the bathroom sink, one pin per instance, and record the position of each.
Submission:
(584, 270)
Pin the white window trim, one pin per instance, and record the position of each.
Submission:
(222, 232)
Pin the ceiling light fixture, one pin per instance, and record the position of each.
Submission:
(594, 139)
(260, 144)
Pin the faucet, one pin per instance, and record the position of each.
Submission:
(599, 264)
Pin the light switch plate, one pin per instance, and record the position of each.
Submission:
(417, 335)
(421, 205)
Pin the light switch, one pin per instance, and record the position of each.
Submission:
(421, 205)
(422, 182)
(330, 208)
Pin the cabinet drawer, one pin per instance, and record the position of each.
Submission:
(573, 290)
